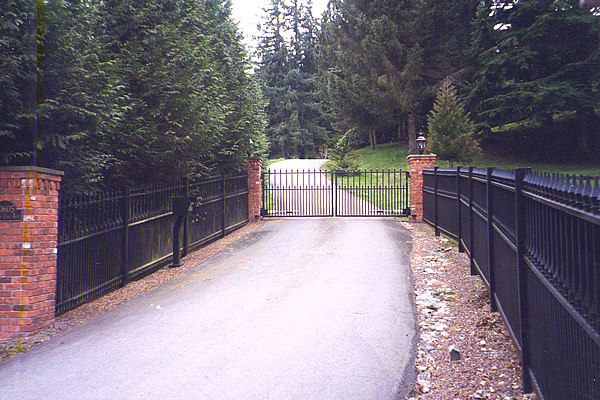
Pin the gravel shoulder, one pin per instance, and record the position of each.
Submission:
(452, 307)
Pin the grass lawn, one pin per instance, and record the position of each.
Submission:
(394, 155)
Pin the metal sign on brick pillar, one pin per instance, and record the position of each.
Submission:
(340, 193)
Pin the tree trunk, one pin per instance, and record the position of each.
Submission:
(412, 132)
(372, 139)
(585, 125)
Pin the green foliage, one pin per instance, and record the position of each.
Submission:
(450, 130)
(393, 156)
(129, 92)
(341, 155)
(298, 117)
(18, 33)
(383, 60)
(537, 59)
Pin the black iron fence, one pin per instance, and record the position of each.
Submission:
(534, 238)
(107, 239)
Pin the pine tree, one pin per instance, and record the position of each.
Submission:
(385, 58)
(297, 115)
(538, 59)
(450, 130)
(192, 109)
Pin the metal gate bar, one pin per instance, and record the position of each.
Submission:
(343, 193)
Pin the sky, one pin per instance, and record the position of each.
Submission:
(248, 14)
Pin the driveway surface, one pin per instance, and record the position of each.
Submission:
(313, 308)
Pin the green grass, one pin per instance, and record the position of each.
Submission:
(395, 156)
(386, 156)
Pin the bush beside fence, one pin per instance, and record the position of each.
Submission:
(534, 238)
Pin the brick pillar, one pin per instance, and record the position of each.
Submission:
(254, 168)
(416, 164)
(28, 249)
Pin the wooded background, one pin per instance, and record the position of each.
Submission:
(123, 92)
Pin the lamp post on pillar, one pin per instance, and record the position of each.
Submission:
(421, 143)
(416, 164)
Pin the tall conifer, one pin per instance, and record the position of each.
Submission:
(450, 130)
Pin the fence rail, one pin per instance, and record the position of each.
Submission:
(107, 239)
(534, 238)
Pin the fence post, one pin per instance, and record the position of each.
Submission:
(490, 239)
(471, 239)
(416, 164)
(224, 209)
(521, 233)
(125, 200)
(28, 249)
(461, 248)
(435, 200)
(187, 217)
(253, 167)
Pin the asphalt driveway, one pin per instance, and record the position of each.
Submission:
(313, 308)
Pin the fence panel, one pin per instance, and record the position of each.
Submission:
(236, 202)
(151, 220)
(107, 239)
(90, 248)
(534, 238)
(440, 200)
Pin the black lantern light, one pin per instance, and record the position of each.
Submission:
(421, 143)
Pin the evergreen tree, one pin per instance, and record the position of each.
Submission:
(129, 92)
(450, 130)
(350, 57)
(385, 58)
(297, 115)
(538, 59)
(83, 100)
(18, 87)
(191, 108)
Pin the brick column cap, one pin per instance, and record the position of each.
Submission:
(31, 169)
(421, 156)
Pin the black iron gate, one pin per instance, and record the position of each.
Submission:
(335, 193)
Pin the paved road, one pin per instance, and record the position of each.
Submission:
(310, 308)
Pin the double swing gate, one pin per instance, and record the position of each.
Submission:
(335, 193)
